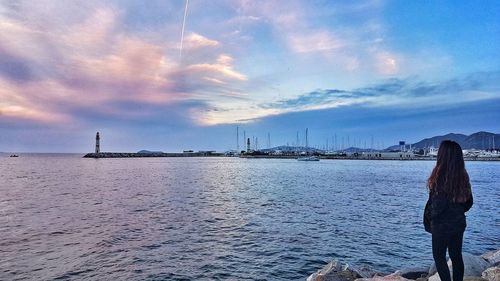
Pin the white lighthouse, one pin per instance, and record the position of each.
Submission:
(97, 143)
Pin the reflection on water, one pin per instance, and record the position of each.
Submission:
(64, 217)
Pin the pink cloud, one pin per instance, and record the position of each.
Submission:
(91, 65)
(387, 64)
(222, 69)
(29, 102)
(195, 41)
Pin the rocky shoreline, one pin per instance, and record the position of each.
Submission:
(477, 268)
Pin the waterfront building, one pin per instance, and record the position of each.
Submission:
(401, 155)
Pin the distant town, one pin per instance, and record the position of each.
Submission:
(478, 146)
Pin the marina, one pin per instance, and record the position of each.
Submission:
(365, 157)
(316, 157)
(404, 153)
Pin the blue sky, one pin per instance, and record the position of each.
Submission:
(357, 70)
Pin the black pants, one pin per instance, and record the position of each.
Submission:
(452, 242)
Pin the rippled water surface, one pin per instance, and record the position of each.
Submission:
(65, 217)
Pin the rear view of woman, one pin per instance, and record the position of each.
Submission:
(450, 196)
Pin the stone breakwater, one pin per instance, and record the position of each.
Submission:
(152, 154)
(476, 268)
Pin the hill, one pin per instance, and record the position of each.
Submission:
(479, 140)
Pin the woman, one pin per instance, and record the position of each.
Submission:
(450, 196)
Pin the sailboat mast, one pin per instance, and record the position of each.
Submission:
(237, 138)
(307, 144)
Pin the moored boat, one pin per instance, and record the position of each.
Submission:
(308, 158)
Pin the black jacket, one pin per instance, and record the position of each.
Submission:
(442, 216)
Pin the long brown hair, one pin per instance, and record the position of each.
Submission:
(449, 177)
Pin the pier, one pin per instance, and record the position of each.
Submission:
(152, 154)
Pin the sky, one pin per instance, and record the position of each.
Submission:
(177, 75)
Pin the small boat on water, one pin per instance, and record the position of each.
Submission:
(308, 158)
(14, 155)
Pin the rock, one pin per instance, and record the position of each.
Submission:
(363, 271)
(432, 269)
(466, 278)
(474, 278)
(493, 257)
(335, 271)
(473, 267)
(329, 272)
(492, 274)
(391, 277)
(413, 273)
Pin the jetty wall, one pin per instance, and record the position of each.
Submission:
(156, 154)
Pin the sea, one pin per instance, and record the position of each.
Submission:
(64, 217)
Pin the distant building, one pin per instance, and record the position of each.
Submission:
(386, 155)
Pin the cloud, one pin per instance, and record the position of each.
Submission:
(397, 94)
(61, 63)
(344, 38)
(221, 68)
(215, 81)
(94, 33)
(235, 95)
(195, 41)
(402, 93)
(27, 102)
(386, 63)
(310, 99)
(14, 68)
(320, 41)
(63, 73)
(350, 45)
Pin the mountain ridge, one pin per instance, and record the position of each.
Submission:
(479, 140)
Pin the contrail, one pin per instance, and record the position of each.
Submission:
(183, 26)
